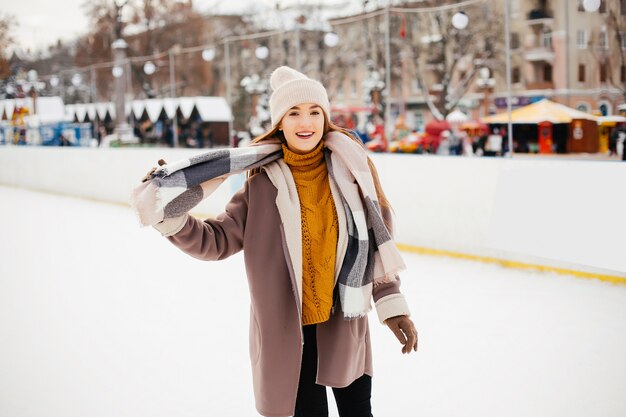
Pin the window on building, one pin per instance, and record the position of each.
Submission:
(516, 75)
(340, 91)
(515, 40)
(603, 73)
(547, 73)
(605, 109)
(415, 85)
(604, 39)
(418, 118)
(581, 73)
(584, 107)
(353, 89)
(515, 7)
(581, 39)
(622, 7)
(546, 39)
(622, 73)
(622, 39)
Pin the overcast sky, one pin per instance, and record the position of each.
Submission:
(41, 22)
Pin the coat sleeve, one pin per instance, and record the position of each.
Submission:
(388, 299)
(214, 238)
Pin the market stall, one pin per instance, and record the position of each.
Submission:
(199, 112)
(547, 126)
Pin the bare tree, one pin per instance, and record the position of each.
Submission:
(446, 59)
(618, 27)
(149, 27)
(7, 24)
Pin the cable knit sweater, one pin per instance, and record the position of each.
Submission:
(319, 232)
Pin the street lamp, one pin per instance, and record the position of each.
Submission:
(256, 87)
(32, 85)
(122, 130)
(372, 86)
(486, 84)
(507, 68)
(117, 71)
(77, 79)
(149, 68)
(170, 53)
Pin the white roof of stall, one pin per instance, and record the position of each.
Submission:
(103, 108)
(213, 109)
(80, 111)
(186, 105)
(170, 106)
(457, 116)
(210, 109)
(137, 106)
(153, 109)
(49, 109)
(7, 106)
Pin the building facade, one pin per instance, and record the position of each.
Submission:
(557, 50)
(572, 56)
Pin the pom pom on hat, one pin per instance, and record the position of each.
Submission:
(291, 88)
(284, 74)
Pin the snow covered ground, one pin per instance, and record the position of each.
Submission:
(99, 317)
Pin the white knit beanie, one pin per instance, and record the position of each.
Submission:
(291, 88)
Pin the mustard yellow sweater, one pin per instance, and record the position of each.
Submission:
(319, 232)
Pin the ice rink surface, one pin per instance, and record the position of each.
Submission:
(99, 317)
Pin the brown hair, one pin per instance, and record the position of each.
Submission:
(329, 126)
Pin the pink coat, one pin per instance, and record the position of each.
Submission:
(251, 222)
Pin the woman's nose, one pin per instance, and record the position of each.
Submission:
(305, 121)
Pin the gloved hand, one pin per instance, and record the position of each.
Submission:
(404, 329)
(148, 176)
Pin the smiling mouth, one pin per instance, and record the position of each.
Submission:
(304, 135)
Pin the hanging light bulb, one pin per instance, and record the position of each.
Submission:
(149, 68)
(262, 52)
(331, 39)
(54, 81)
(460, 20)
(591, 5)
(208, 54)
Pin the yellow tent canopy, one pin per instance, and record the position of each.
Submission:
(541, 111)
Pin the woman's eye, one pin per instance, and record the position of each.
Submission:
(315, 113)
(293, 114)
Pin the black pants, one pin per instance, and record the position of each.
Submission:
(352, 401)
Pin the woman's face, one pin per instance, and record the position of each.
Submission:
(303, 127)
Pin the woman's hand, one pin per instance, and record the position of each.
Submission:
(404, 329)
(148, 176)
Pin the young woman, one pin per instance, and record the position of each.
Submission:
(314, 226)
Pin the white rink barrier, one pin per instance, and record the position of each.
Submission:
(561, 213)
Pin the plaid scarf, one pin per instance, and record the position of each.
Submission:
(371, 256)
